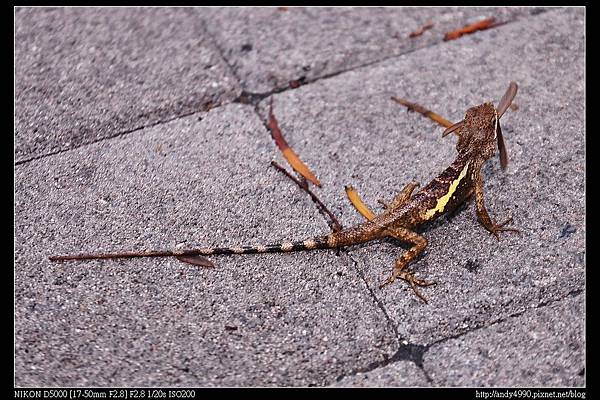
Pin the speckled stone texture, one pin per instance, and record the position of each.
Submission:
(131, 133)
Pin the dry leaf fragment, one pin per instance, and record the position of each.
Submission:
(289, 154)
(356, 201)
(197, 260)
(467, 29)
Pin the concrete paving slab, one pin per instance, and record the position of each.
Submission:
(493, 356)
(348, 130)
(83, 74)
(295, 319)
(312, 318)
(267, 47)
(398, 374)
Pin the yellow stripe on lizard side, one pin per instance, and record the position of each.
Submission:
(442, 201)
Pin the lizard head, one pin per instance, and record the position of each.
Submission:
(479, 132)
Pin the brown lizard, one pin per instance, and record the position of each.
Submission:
(478, 134)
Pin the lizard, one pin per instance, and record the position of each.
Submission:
(479, 133)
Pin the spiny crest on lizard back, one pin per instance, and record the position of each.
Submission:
(479, 131)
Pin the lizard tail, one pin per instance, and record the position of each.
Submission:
(321, 242)
(355, 235)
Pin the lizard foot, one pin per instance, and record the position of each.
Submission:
(495, 228)
(412, 281)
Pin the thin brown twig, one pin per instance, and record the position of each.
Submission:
(422, 110)
(419, 32)
(333, 222)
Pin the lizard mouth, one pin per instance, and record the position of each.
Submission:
(505, 102)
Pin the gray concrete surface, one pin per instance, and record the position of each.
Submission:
(486, 356)
(105, 176)
(84, 75)
(267, 48)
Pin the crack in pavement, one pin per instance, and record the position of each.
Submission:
(247, 97)
(416, 353)
(406, 351)
(117, 135)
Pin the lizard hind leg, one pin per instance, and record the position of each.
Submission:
(400, 272)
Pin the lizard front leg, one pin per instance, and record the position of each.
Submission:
(482, 214)
(419, 243)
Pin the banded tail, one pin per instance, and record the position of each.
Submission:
(321, 242)
(355, 235)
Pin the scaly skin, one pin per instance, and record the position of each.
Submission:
(477, 136)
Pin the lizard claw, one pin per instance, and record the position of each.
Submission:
(389, 280)
(412, 281)
(500, 228)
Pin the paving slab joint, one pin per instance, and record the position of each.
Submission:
(254, 98)
(116, 135)
(215, 44)
(415, 353)
(573, 293)
(406, 351)
(376, 299)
